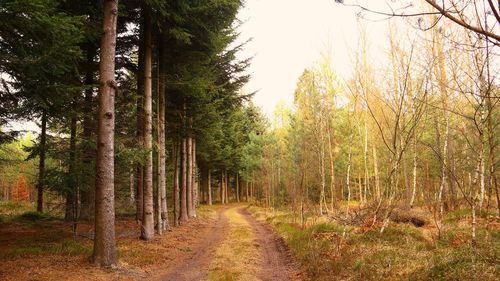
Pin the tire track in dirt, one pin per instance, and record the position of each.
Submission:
(196, 265)
(277, 263)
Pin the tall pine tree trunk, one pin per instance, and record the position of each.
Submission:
(209, 187)
(176, 152)
(41, 162)
(162, 183)
(140, 124)
(147, 227)
(189, 191)
(221, 189)
(195, 178)
(183, 194)
(226, 188)
(237, 188)
(104, 241)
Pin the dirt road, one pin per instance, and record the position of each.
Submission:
(195, 266)
(274, 262)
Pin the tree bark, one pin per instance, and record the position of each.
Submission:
(162, 155)
(41, 162)
(183, 196)
(176, 152)
(147, 227)
(367, 174)
(104, 241)
(209, 182)
(246, 190)
(194, 180)
(189, 190)
(140, 123)
(226, 188)
(348, 176)
(237, 188)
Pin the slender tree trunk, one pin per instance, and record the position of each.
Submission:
(176, 152)
(184, 211)
(226, 178)
(442, 79)
(360, 186)
(375, 171)
(209, 187)
(221, 189)
(104, 241)
(41, 162)
(189, 183)
(481, 175)
(162, 155)
(414, 190)
(348, 176)
(246, 190)
(322, 199)
(237, 188)
(147, 227)
(71, 202)
(367, 175)
(194, 181)
(139, 198)
(493, 161)
(332, 170)
(131, 184)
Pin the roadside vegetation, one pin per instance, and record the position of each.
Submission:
(328, 250)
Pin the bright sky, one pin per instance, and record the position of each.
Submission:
(290, 35)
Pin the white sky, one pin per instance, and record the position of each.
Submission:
(290, 35)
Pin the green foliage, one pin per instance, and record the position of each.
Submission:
(34, 217)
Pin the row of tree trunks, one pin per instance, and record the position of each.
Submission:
(244, 189)
(185, 197)
(145, 186)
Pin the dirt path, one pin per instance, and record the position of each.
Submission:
(238, 247)
(276, 263)
(195, 266)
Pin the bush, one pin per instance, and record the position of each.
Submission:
(34, 217)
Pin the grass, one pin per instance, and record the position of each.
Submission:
(12, 209)
(65, 248)
(238, 256)
(401, 252)
(22, 212)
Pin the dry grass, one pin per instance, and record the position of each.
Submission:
(238, 257)
(328, 251)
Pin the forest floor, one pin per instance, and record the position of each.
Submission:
(223, 243)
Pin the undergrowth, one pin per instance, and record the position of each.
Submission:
(67, 247)
(328, 251)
